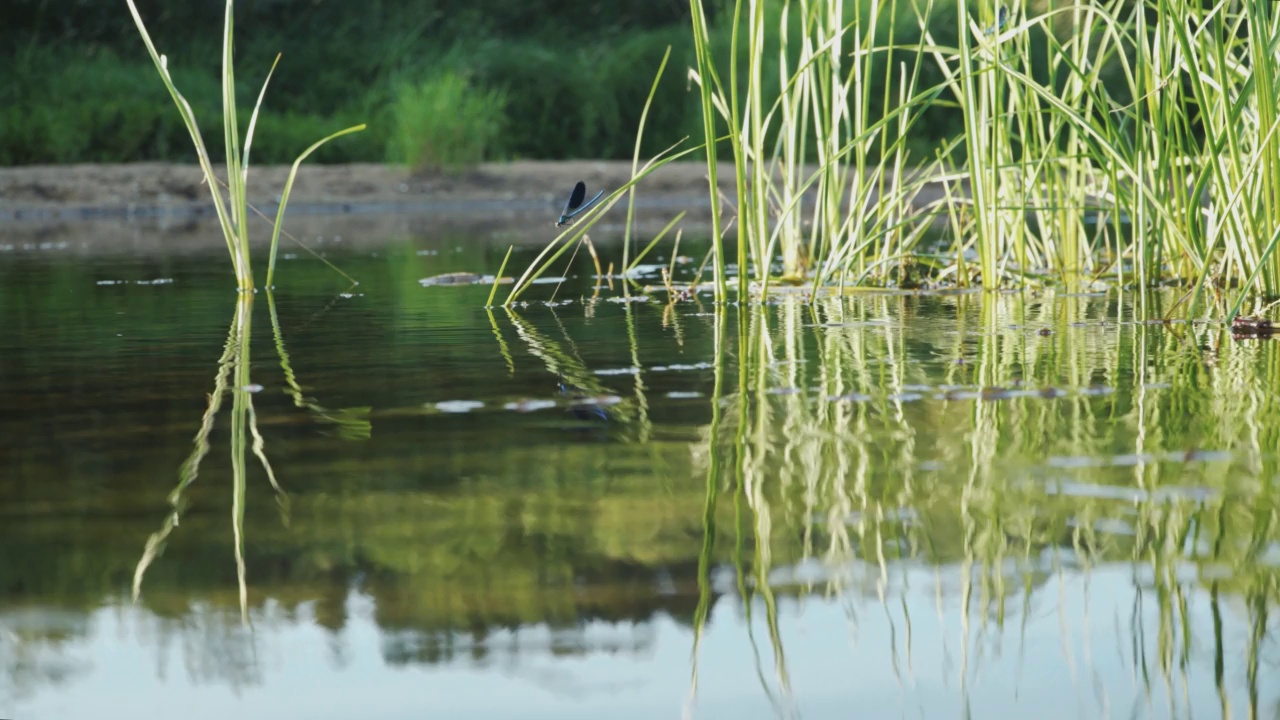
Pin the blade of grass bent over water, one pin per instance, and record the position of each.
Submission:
(635, 158)
(288, 187)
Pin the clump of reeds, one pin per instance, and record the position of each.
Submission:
(232, 211)
(1100, 138)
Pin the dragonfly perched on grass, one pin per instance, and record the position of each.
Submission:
(575, 205)
(1002, 17)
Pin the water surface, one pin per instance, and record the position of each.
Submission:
(887, 505)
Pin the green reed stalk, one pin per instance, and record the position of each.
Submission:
(705, 77)
(574, 233)
(1165, 124)
(233, 213)
(635, 160)
(737, 144)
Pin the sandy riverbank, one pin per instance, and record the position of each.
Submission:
(140, 207)
(67, 192)
(144, 207)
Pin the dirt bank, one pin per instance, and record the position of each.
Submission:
(67, 192)
(142, 207)
(147, 207)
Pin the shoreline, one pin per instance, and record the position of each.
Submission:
(62, 193)
(165, 208)
(154, 207)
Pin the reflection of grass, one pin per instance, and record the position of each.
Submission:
(844, 482)
(234, 362)
(353, 423)
(573, 373)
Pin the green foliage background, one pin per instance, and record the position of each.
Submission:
(77, 85)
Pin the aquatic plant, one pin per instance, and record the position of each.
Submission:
(233, 211)
(1099, 137)
(821, 110)
(576, 233)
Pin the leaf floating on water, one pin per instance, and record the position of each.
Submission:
(458, 406)
(529, 405)
(619, 371)
(601, 400)
(685, 366)
(462, 278)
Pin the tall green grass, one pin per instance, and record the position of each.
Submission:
(1101, 138)
(446, 122)
(232, 211)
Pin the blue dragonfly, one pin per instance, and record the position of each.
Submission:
(575, 205)
(1002, 17)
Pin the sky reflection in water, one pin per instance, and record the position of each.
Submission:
(934, 507)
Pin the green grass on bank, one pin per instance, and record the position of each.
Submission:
(445, 121)
(563, 95)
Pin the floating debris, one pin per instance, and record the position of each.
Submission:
(681, 367)
(1253, 328)
(459, 406)
(600, 400)
(156, 281)
(529, 405)
(462, 278)
(619, 371)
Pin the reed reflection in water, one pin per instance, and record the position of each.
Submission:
(928, 505)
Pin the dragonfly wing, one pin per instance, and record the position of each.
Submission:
(575, 197)
(587, 206)
(590, 202)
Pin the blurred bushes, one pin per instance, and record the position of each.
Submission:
(542, 79)
(78, 86)
(446, 122)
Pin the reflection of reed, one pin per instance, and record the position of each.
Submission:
(573, 372)
(1045, 441)
(353, 423)
(235, 361)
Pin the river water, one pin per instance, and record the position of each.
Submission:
(385, 500)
